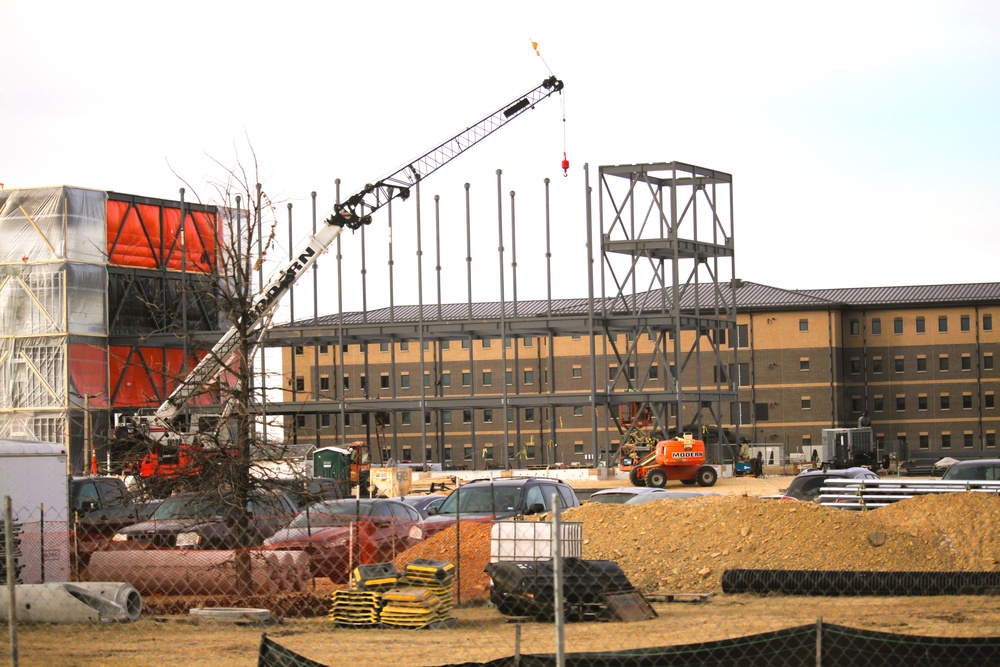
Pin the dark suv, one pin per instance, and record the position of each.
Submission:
(806, 485)
(981, 470)
(488, 499)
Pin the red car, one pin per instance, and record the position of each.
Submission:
(378, 528)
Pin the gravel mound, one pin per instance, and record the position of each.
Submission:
(685, 545)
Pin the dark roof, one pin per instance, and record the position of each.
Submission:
(750, 296)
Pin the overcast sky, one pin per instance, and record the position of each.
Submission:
(863, 137)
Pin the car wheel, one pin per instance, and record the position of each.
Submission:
(656, 478)
(633, 476)
(707, 476)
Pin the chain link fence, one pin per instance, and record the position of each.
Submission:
(372, 587)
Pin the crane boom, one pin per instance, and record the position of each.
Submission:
(354, 212)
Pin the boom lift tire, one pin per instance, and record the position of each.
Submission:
(633, 476)
(657, 479)
(707, 476)
(689, 482)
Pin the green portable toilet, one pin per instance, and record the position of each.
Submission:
(333, 463)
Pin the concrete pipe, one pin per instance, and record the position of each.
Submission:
(74, 602)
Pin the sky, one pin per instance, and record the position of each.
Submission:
(863, 138)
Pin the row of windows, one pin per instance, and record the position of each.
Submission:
(944, 402)
(406, 417)
(899, 363)
(404, 345)
(945, 441)
(920, 324)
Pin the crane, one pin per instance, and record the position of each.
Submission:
(352, 213)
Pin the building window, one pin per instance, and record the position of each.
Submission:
(855, 404)
(324, 383)
(989, 400)
(486, 343)
(964, 323)
(900, 402)
(510, 414)
(323, 349)
(427, 418)
(806, 403)
(921, 364)
(925, 441)
(876, 326)
(300, 421)
(921, 327)
(529, 414)
(577, 411)
(761, 412)
(578, 447)
(804, 364)
(404, 345)
(506, 342)
(324, 419)
(363, 382)
(347, 383)
(922, 402)
(945, 402)
(466, 416)
(577, 372)
(383, 347)
(487, 378)
(404, 418)
(404, 381)
(987, 323)
(991, 439)
(966, 362)
(878, 404)
(966, 401)
(898, 364)
(445, 344)
(946, 440)
(347, 420)
(446, 416)
(528, 341)
(426, 345)
(855, 327)
(943, 362)
(345, 348)
(466, 378)
(967, 439)
(487, 452)
(487, 416)
(803, 325)
(897, 325)
(855, 366)
(383, 381)
(654, 372)
(427, 380)
(466, 343)
(446, 379)
(299, 350)
(987, 362)
(529, 376)
(300, 384)
(942, 324)
(742, 335)
(876, 364)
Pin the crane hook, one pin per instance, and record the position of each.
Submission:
(565, 165)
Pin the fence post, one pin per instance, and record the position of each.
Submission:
(819, 642)
(8, 516)
(557, 580)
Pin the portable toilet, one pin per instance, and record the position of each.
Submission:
(333, 463)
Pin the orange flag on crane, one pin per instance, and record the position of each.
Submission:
(534, 45)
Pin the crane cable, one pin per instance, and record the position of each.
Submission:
(562, 102)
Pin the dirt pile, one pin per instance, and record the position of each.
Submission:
(471, 539)
(685, 545)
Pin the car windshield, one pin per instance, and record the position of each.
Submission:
(191, 507)
(970, 473)
(485, 499)
(331, 514)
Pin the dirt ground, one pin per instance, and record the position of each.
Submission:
(679, 546)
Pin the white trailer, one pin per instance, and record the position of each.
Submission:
(33, 475)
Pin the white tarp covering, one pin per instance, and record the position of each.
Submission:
(52, 224)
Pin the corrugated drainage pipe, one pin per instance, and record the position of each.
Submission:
(75, 602)
(844, 582)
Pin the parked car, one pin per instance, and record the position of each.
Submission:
(806, 485)
(982, 470)
(635, 495)
(424, 504)
(196, 520)
(304, 491)
(384, 528)
(508, 497)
